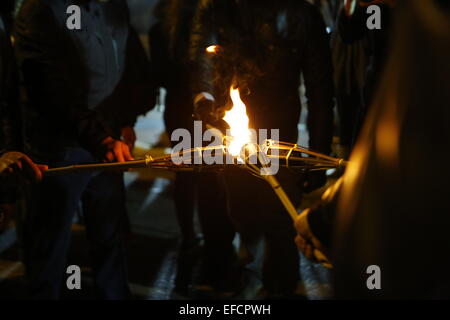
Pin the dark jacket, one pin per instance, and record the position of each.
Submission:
(266, 45)
(353, 29)
(135, 94)
(169, 45)
(69, 75)
(9, 108)
(393, 208)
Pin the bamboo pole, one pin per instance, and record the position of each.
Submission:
(278, 189)
(98, 166)
(322, 162)
(287, 203)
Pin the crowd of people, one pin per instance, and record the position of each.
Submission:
(72, 96)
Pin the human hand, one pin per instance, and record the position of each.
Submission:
(307, 243)
(129, 136)
(116, 150)
(14, 162)
(206, 111)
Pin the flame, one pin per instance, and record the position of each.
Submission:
(238, 120)
(213, 49)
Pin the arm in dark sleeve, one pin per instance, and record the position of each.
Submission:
(317, 74)
(139, 78)
(10, 129)
(160, 55)
(10, 133)
(6, 192)
(321, 216)
(320, 220)
(10, 117)
(135, 94)
(53, 73)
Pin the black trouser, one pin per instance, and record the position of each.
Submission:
(351, 116)
(207, 190)
(47, 228)
(178, 115)
(218, 230)
(258, 212)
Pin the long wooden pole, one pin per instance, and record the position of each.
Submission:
(98, 166)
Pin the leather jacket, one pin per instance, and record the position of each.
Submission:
(264, 48)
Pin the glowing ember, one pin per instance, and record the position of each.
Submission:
(237, 119)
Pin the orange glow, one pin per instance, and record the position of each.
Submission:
(213, 49)
(238, 121)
